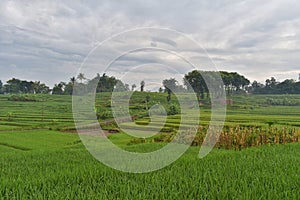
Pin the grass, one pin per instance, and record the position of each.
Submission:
(55, 111)
(62, 169)
(38, 161)
(50, 111)
(38, 140)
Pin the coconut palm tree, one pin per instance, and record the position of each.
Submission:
(81, 77)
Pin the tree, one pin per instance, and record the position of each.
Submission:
(195, 82)
(73, 80)
(257, 87)
(106, 83)
(13, 86)
(226, 77)
(81, 77)
(19, 86)
(68, 90)
(288, 86)
(234, 82)
(40, 88)
(126, 87)
(142, 86)
(297, 87)
(133, 86)
(147, 101)
(285, 87)
(26, 87)
(121, 87)
(170, 87)
(58, 88)
(274, 82)
(1, 87)
(22, 86)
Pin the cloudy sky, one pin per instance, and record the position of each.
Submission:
(48, 40)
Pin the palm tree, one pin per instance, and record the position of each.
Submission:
(142, 86)
(133, 87)
(73, 80)
(81, 77)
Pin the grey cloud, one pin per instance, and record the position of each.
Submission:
(255, 38)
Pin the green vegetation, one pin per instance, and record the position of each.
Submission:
(55, 111)
(194, 81)
(22, 97)
(41, 157)
(46, 112)
(54, 165)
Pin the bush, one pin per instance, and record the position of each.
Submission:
(22, 97)
(282, 102)
(104, 114)
(173, 110)
(157, 110)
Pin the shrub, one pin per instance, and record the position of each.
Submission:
(22, 97)
(104, 115)
(173, 110)
(282, 102)
(157, 110)
(240, 137)
(10, 116)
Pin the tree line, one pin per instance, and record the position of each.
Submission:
(271, 86)
(15, 86)
(193, 81)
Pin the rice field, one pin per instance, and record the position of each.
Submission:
(56, 166)
(256, 157)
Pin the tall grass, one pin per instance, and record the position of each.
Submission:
(72, 173)
(236, 137)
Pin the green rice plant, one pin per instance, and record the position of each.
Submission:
(239, 137)
(22, 97)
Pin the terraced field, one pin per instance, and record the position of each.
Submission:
(42, 157)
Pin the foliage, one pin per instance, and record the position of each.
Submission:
(22, 97)
(157, 110)
(196, 83)
(58, 88)
(50, 164)
(282, 102)
(240, 137)
(40, 164)
(173, 109)
(288, 86)
(81, 77)
(248, 110)
(104, 83)
(104, 114)
(232, 82)
(10, 116)
(133, 86)
(121, 87)
(14, 86)
(1, 87)
(40, 88)
(142, 86)
(170, 85)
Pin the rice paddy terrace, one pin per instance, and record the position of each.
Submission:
(256, 157)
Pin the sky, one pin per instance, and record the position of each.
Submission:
(49, 40)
